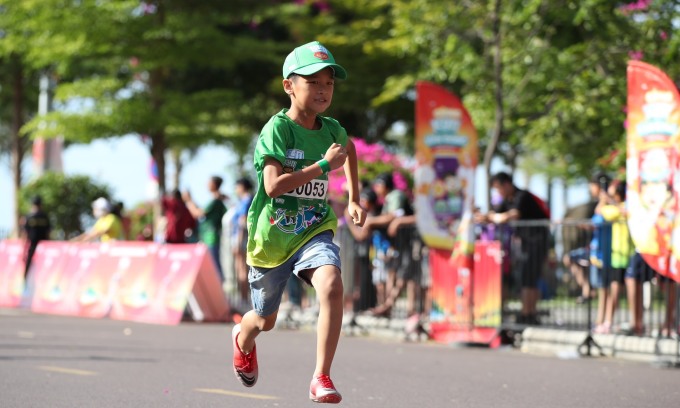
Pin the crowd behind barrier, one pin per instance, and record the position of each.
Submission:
(573, 293)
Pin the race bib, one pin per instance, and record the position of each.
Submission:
(314, 190)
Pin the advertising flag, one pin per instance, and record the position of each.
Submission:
(446, 154)
(653, 179)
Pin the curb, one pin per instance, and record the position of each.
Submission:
(565, 344)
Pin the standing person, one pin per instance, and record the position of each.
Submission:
(210, 220)
(621, 252)
(366, 246)
(107, 227)
(395, 205)
(37, 228)
(118, 209)
(521, 205)
(179, 223)
(239, 234)
(575, 238)
(290, 223)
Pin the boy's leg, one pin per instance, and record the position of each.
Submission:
(328, 284)
(267, 286)
(251, 326)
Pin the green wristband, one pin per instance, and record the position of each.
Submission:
(325, 166)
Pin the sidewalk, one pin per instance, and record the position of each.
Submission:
(572, 344)
(565, 344)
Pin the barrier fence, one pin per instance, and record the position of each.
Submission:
(552, 276)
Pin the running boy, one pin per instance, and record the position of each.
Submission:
(290, 224)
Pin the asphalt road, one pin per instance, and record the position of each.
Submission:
(51, 361)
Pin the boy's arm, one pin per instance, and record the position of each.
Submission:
(276, 182)
(352, 174)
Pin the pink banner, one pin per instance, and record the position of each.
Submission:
(11, 272)
(136, 281)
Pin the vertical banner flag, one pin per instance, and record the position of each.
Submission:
(446, 153)
(653, 177)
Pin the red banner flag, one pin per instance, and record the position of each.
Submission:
(446, 152)
(652, 167)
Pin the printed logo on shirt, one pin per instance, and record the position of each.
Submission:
(295, 224)
(289, 166)
(296, 154)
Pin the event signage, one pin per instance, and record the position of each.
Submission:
(446, 154)
(138, 281)
(652, 167)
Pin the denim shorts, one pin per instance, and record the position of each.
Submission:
(268, 284)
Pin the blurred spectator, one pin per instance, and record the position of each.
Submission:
(637, 273)
(575, 238)
(366, 247)
(239, 234)
(210, 220)
(408, 255)
(621, 247)
(532, 241)
(395, 204)
(180, 224)
(107, 227)
(600, 261)
(669, 288)
(125, 222)
(36, 228)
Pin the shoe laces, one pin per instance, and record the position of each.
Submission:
(325, 381)
(247, 361)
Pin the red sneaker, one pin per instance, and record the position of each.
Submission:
(322, 390)
(245, 365)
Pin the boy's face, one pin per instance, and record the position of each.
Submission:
(311, 93)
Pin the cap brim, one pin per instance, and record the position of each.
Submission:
(340, 72)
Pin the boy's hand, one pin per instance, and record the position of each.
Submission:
(336, 156)
(357, 213)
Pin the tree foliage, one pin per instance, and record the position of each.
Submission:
(183, 73)
(66, 199)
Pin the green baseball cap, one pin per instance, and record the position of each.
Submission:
(310, 58)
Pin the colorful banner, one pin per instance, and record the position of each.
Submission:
(11, 272)
(136, 281)
(467, 297)
(486, 287)
(446, 154)
(652, 167)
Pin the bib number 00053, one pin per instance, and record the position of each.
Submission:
(315, 189)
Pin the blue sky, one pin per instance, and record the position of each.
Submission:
(123, 164)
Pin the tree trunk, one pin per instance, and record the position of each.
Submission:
(18, 142)
(158, 148)
(498, 95)
(177, 162)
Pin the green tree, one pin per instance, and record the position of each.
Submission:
(541, 77)
(66, 199)
(18, 93)
(178, 73)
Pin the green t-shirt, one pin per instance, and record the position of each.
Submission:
(278, 227)
(210, 227)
